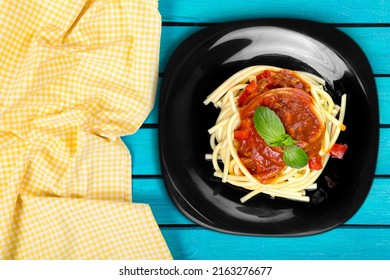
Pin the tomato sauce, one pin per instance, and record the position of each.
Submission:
(289, 98)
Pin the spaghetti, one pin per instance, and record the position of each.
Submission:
(241, 158)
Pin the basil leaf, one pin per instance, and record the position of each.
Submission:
(271, 129)
(288, 141)
(282, 140)
(269, 126)
(295, 156)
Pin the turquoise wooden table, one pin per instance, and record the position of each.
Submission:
(367, 234)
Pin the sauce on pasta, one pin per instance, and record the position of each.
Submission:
(306, 111)
(294, 108)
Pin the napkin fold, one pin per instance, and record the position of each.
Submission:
(74, 77)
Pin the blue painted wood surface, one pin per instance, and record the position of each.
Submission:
(351, 243)
(328, 11)
(367, 234)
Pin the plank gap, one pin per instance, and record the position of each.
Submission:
(149, 125)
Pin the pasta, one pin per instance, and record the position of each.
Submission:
(288, 182)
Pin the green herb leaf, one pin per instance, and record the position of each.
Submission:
(288, 141)
(271, 129)
(282, 140)
(295, 156)
(269, 126)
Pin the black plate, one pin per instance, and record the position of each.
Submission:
(208, 58)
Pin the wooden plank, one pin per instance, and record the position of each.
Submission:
(383, 162)
(321, 10)
(383, 89)
(143, 146)
(153, 116)
(374, 41)
(348, 243)
(374, 211)
(376, 208)
(171, 37)
(153, 192)
(375, 44)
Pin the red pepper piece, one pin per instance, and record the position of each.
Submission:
(270, 79)
(266, 74)
(250, 88)
(241, 134)
(315, 163)
(338, 150)
(243, 97)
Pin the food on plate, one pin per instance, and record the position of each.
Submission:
(276, 130)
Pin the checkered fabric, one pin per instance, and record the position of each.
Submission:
(75, 76)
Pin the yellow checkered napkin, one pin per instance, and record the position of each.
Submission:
(74, 77)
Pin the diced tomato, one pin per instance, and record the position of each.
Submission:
(246, 123)
(250, 88)
(270, 80)
(315, 163)
(243, 131)
(241, 134)
(243, 97)
(265, 74)
(338, 150)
